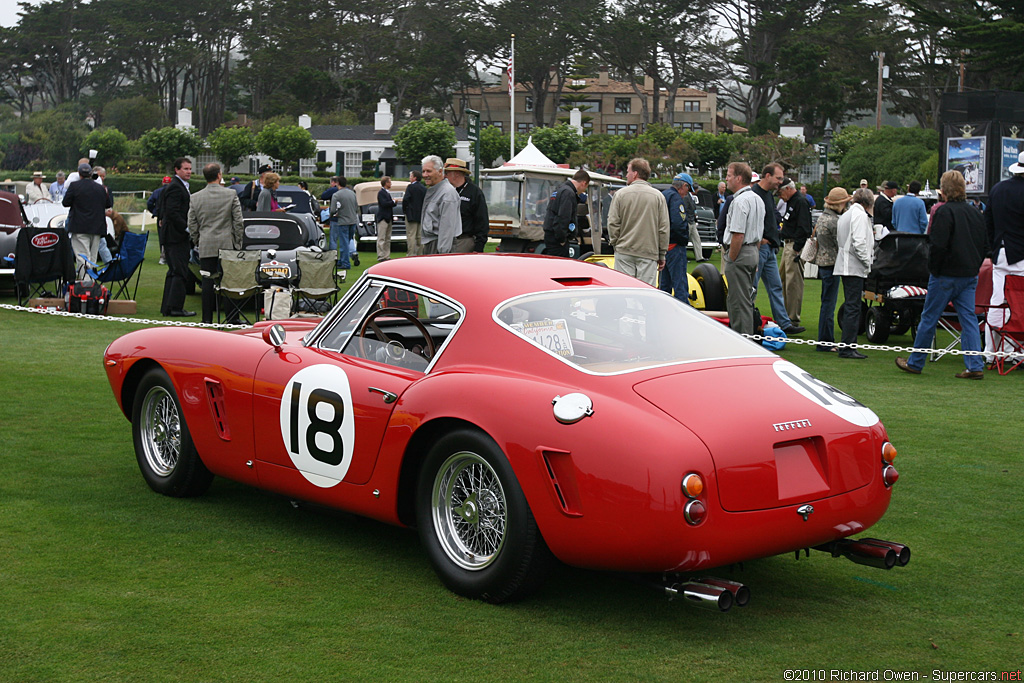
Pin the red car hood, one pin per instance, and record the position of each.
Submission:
(777, 435)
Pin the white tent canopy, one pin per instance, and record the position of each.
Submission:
(531, 156)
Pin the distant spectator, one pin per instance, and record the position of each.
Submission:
(807, 196)
(214, 223)
(935, 206)
(883, 207)
(412, 207)
(174, 205)
(76, 175)
(908, 212)
(385, 219)
(86, 224)
(638, 226)
(743, 230)
(673, 275)
(957, 246)
(250, 195)
(440, 222)
(267, 200)
(344, 213)
(36, 192)
(796, 228)
(58, 188)
(560, 214)
(828, 248)
(864, 182)
(720, 199)
(853, 263)
(472, 208)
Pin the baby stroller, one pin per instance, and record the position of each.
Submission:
(894, 291)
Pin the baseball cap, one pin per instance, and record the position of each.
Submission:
(84, 170)
(685, 177)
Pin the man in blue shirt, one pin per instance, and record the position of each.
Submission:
(673, 275)
(908, 212)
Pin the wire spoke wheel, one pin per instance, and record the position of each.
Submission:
(161, 431)
(470, 513)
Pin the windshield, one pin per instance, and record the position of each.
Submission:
(618, 330)
(502, 199)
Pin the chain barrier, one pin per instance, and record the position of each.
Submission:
(135, 321)
(752, 337)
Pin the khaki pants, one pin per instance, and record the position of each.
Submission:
(740, 275)
(792, 273)
(383, 240)
(643, 269)
(412, 239)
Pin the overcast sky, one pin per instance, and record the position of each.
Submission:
(9, 11)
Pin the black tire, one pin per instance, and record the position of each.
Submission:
(167, 457)
(466, 491)
(879, 323)
(711, 284)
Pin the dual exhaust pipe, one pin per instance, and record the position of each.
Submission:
(871, 552)
(711, 593)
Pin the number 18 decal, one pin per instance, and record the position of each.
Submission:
(317, 424)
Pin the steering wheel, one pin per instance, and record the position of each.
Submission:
(370, 324)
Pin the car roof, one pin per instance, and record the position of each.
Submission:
(481, 281)
(366, 193)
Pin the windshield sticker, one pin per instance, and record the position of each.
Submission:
(553, 335)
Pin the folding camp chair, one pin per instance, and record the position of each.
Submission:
(237, 285)
(44, 263)
(124, 267)
(318, 279)
(1009, 333)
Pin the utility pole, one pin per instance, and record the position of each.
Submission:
(878, 102)
(960, 82)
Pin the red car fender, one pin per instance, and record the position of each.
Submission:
(594, 462)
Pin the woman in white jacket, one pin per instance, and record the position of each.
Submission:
(853, 262)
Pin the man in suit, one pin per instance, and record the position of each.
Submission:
(251, 194)
(174, 203)
(214, 223)
(412, 207)
(88, 202)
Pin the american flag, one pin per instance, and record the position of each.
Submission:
(511, 83)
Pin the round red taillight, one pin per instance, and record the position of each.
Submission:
(695, 512)
(889, 475)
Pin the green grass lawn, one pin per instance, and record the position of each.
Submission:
(102, 579)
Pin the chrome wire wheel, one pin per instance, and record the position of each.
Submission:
(469, 510)
(160, 431)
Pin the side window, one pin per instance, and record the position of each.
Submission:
(394, 325)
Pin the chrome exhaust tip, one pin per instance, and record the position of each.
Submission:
(902, 551)
(861, 552)
(708, 597)
(740, 593)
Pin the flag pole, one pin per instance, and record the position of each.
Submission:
(512, 99)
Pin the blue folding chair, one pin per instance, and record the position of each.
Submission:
(125, 267)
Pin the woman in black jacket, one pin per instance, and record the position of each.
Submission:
(957, 246)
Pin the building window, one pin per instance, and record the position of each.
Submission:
(622, 105)
(691, 105)
(621, 129)
(589, 106)
(523, 127)
(353, 164)
(500, 125)
(529, 103)
(688, 126)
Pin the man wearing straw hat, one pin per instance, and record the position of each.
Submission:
(472, 208)
(36, 191)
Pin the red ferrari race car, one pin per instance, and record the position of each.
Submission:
(517, 409)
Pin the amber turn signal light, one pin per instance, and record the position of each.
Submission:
(693, 485)
(888, 452)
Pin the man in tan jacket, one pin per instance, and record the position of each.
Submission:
(638, 225)
(214, 223)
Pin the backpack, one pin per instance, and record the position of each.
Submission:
(88, 298)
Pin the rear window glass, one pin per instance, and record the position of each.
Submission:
(620, 330)
(262, 231)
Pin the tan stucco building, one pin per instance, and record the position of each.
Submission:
(612, 106)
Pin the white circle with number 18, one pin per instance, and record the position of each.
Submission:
(825, 395)
(317, 425)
